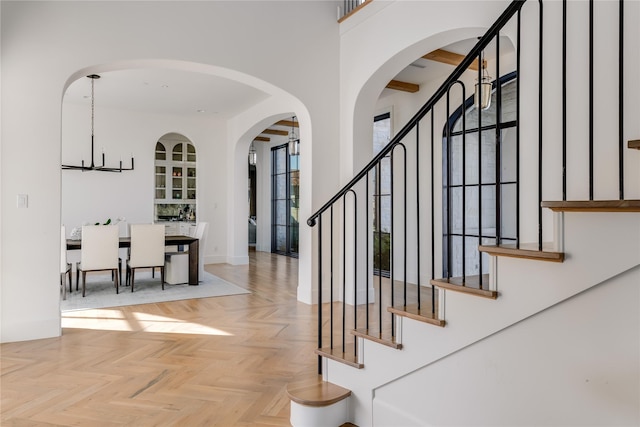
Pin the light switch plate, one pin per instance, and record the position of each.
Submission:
(23, 201)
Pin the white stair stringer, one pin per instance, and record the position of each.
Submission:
(598, 246)
(575, 363)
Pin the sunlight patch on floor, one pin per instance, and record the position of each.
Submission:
(115, 320)
(103, 319)
(154, 323)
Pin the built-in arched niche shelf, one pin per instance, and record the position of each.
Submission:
(175, 179)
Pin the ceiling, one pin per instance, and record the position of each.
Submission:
(165, 91)
(185, 93)
(422, 70)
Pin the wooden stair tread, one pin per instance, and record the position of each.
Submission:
(526, 251)
(336, 354)
(376, 336)
(471, 285)
(634, 143)
(318, 394)
(593, 206)
(420, 314)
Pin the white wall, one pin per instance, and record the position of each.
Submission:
(364, 72)
(575, 363)
(369, 59)
(97, 196)
(287, 48)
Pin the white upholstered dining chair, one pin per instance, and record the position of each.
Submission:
(177, 262)
(99, 252)
(147, 250)
(65, 266)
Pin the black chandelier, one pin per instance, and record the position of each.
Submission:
(93, 166)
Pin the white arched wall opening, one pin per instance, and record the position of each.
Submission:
(239, 132)
(366, 77)
(242, 129)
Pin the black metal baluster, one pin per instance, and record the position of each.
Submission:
(320, 292)
(379, 232)
(404, 210)
(418, 284)
(344, 269)
(331, 271)
(498, 175)
(404, 167)
(391, 239)
(464, 165)
(518, 49)
(540, 128)
(433, 222)
(479, 174)
(564, 99)
(590, 99)
(367, 231)
(449, 192)
(621, 99)
(464, 185)
(355, 268)
(449, 184)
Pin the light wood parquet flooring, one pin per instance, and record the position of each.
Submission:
(221, 361)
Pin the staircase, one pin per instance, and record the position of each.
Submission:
(515, 313)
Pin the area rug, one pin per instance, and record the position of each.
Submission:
(100, 292)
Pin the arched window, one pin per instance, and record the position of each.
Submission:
(479, 197)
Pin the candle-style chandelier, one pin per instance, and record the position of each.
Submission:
(93, 166)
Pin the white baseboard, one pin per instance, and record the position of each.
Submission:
(237, 260)
(215, 259)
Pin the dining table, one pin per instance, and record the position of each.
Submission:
(170, 240)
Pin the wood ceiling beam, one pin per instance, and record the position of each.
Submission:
(403, 86)
(451, 58)
(287, 123)
(275, 132)
(262, 138)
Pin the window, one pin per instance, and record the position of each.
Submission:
(476, 195)
(285, 201)
(382, 198)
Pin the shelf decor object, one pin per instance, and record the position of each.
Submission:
(82, 167)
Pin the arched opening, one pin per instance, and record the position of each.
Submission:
(150, 193)
(274, 188)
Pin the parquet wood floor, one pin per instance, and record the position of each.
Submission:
(221, 361)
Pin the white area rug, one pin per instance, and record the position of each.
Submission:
(101, 293)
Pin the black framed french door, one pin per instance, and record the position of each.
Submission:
(285, 201)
